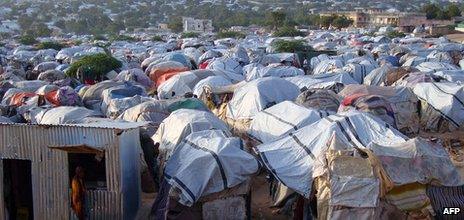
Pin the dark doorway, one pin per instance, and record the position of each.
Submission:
(94, 168)
(17, 189)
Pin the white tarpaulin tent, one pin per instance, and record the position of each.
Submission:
(297, 158)
(446, 98)
(64, 115)
(180, 124)
(206, 162)
(281, 119)
(182, 83)
(321, 81)
(275, 70)
(259, 94)
(417, 160)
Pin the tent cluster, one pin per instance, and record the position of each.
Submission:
(341, 136)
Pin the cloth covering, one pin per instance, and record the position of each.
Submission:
(180, 124)
(446, 98)
(206, 162)
(259, 94)
(281, 119)
(334, 81)
(297, 158)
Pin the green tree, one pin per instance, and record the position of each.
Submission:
(39, 29)
(341, 22)
(326, 21)
(157, 38)
(277, 19)
(175, 24)
(395, 34)
(27, 40)
(284, 46)
(431, 11)
(50, 45)
(287, 32)
(97, 64)
(189, 35)
(453, 10)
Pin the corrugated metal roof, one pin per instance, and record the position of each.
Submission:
(108, 125)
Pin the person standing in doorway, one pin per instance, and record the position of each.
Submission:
(78, 193)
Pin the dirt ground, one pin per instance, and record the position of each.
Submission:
(260, 201)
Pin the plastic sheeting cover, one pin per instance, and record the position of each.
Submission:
(297, 158)
(281, 119)
(259, 94)
(206, 162)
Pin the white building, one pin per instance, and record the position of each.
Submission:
(197, 25)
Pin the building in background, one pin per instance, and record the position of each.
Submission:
(197, 25)
(406, 21)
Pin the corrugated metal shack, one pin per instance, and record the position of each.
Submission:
(47, 149)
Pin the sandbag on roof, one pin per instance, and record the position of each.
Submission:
(296, 159)
(180, 124)
(259, 94)
(281, 119)
(206, 162)
(445, 98)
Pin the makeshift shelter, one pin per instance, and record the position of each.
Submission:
(442, 106)
(331, 81)
(297, 158)
(257, 95)
(179, 125)
(182, 83)
(320, 99)
(44, 159)
(274, 70)
(399, 103)
(207, 162)
(281, 119)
